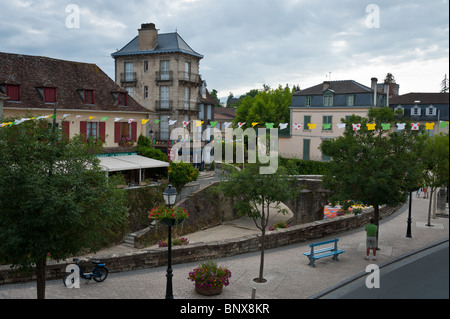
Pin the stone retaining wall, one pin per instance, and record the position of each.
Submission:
(203, 251)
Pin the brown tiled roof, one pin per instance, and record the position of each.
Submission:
(224, 113)
(31, 72)
(421, 98)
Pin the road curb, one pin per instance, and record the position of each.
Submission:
(363, 273)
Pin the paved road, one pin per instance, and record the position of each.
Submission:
(420, 276)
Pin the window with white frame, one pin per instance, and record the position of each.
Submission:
(415, 110)
(431, 110)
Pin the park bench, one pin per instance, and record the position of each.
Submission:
(323, 252)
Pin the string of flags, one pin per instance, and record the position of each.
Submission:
(212, 124)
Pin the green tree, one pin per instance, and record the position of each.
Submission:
(55, 198)
(266, 106)
(253, 193)
(181, 173)
(435, 155)
(374, 167)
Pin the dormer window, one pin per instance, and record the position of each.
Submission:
(122, 99)
(415, 110)
(431, 110)
(49, 95)
(328, 99)
(89, 97)
(13, 92)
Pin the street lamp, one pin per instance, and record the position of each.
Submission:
(170, 195)
(409, 220)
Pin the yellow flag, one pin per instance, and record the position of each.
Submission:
(311, 126)
(198, 123)
(371, 126)
(91, 117)
(254, 123)
(429, 126)
(144, 121)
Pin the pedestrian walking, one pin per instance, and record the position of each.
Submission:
(371, 239)
(419, 191)
(425, 194)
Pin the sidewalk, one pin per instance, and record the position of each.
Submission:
(286, 269)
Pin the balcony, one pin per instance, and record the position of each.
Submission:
(162, 76)
(164, 106)
(128, 78)
(186, 107)
(187, 78)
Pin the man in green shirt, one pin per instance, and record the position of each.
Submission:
(371, 240)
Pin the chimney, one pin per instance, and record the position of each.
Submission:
(326, 85)
(148, 36)
(374, 88)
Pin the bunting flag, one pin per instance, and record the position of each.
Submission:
(91, 117)
(386, 126)
(297, 126)
(269, 125)
(117, 119)
(254, 123)
(371, 126)
(65, 115)
(311, 126)
(283, 125)
(429, 126)
(157, 121)
(172, 122)
(326, 126)
(130, 120)
(401, 126)
(198, 123)
(241, 124)
(443, 124)
(227, 124)
(144, 121)
(185, 123)
(78, 116)
(341, 125)
(356, 127)
(213, 123)
(104, 118)
(415, 126)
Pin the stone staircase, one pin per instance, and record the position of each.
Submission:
(129, 240)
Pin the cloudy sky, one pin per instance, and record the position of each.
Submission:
(248, 43)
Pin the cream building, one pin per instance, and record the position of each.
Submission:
(161, 72)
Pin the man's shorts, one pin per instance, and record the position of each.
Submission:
(371, 242)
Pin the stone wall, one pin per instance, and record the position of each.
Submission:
(203, 251)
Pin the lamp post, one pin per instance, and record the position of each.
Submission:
(170, 195)
(408, 229)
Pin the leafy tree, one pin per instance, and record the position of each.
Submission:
(435, 155)
(267, 106)
(253, 193)
(374, 167)
(54, 197)
(181, 173)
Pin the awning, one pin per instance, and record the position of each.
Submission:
(129, 162)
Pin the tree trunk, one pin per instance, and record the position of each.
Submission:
(41, 269)
(260, 279)
(376, 217)
(429, 207)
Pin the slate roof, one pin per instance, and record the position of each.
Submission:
(31, 72)
(420, 98)
(167, 43)
(339, 87)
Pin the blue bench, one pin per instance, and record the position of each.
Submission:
(323, 252)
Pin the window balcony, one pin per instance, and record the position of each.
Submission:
(128, 78)
(164, 76)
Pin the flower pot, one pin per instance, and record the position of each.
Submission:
(209, 291)
(171, 221)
